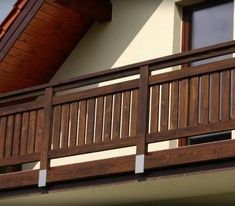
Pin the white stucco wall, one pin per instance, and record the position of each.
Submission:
(139, 30)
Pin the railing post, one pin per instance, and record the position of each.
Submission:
(142, 127)
(46, 142)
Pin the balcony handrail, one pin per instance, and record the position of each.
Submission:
(128, 70)
(148, 109)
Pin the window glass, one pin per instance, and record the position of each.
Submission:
(5, 8)
(212, 25)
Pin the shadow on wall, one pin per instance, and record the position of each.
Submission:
(105, 42)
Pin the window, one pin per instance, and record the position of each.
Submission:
(209, 138)
(204, 24)
(6, 7)
(207, 23)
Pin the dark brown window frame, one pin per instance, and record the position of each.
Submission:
(187, 32)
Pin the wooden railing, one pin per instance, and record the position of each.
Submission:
(68, 118)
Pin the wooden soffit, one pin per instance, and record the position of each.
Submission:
(38, 35)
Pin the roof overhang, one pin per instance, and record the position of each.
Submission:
(38, 35)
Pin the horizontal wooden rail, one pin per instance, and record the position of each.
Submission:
(96, 92)
(189, 72)
(191, 131)
(98, 147)
(20, 159)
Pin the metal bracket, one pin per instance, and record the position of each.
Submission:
(42, 178)
(139, 164)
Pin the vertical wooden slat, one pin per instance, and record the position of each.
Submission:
(46, 143)
(99, 119)
(154, 109)
(31, 134)
(134, 110)
(64, 125)
(108, 117)
(117, 116)
(174, 105)
(193, 101)
(125, 114)
(90, 120)
(16, 138)
(164, 107)
(204, 96)
(225, 96)
(183, 103)
(24, 133)
(3, 124)
(82, 122)
(214, 97)
(73, 126)
(143, 109)
(9, 136)
(56, 127)
(39, 130)
(233, 94)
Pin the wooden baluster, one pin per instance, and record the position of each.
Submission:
(46, 142)
(142, 129)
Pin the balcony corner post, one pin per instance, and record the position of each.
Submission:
(46, 142)
(142, 124)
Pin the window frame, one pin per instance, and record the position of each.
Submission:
(187, 20)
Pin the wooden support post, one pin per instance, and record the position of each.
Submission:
(143, 110)
(46, 142)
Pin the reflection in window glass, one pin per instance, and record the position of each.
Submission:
(5, 8)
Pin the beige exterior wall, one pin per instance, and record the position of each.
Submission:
(139, 30)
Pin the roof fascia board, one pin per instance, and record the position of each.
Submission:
(18, 26)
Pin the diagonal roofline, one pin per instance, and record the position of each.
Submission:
(15, 22)
(12, 15)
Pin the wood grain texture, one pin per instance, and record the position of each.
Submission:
(73, 123)
(233, 94)
(82, 122)
(154, 109)
(24, 133)
(164, 107)
(183, 103)
(214, 97)
(125, 115)
(225, 95)
(90, 120)
(99, 119)
(117, 115)
(16, 137)
(108, 117)
(9, 136)
(174, 105)
(56, 127)
(134, 110)
(47, 135)
(39, 130)
(64, 125)
(32, 131)
(193, 101)
(204, 100)
(143, 110)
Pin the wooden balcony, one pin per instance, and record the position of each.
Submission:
(94, 113)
